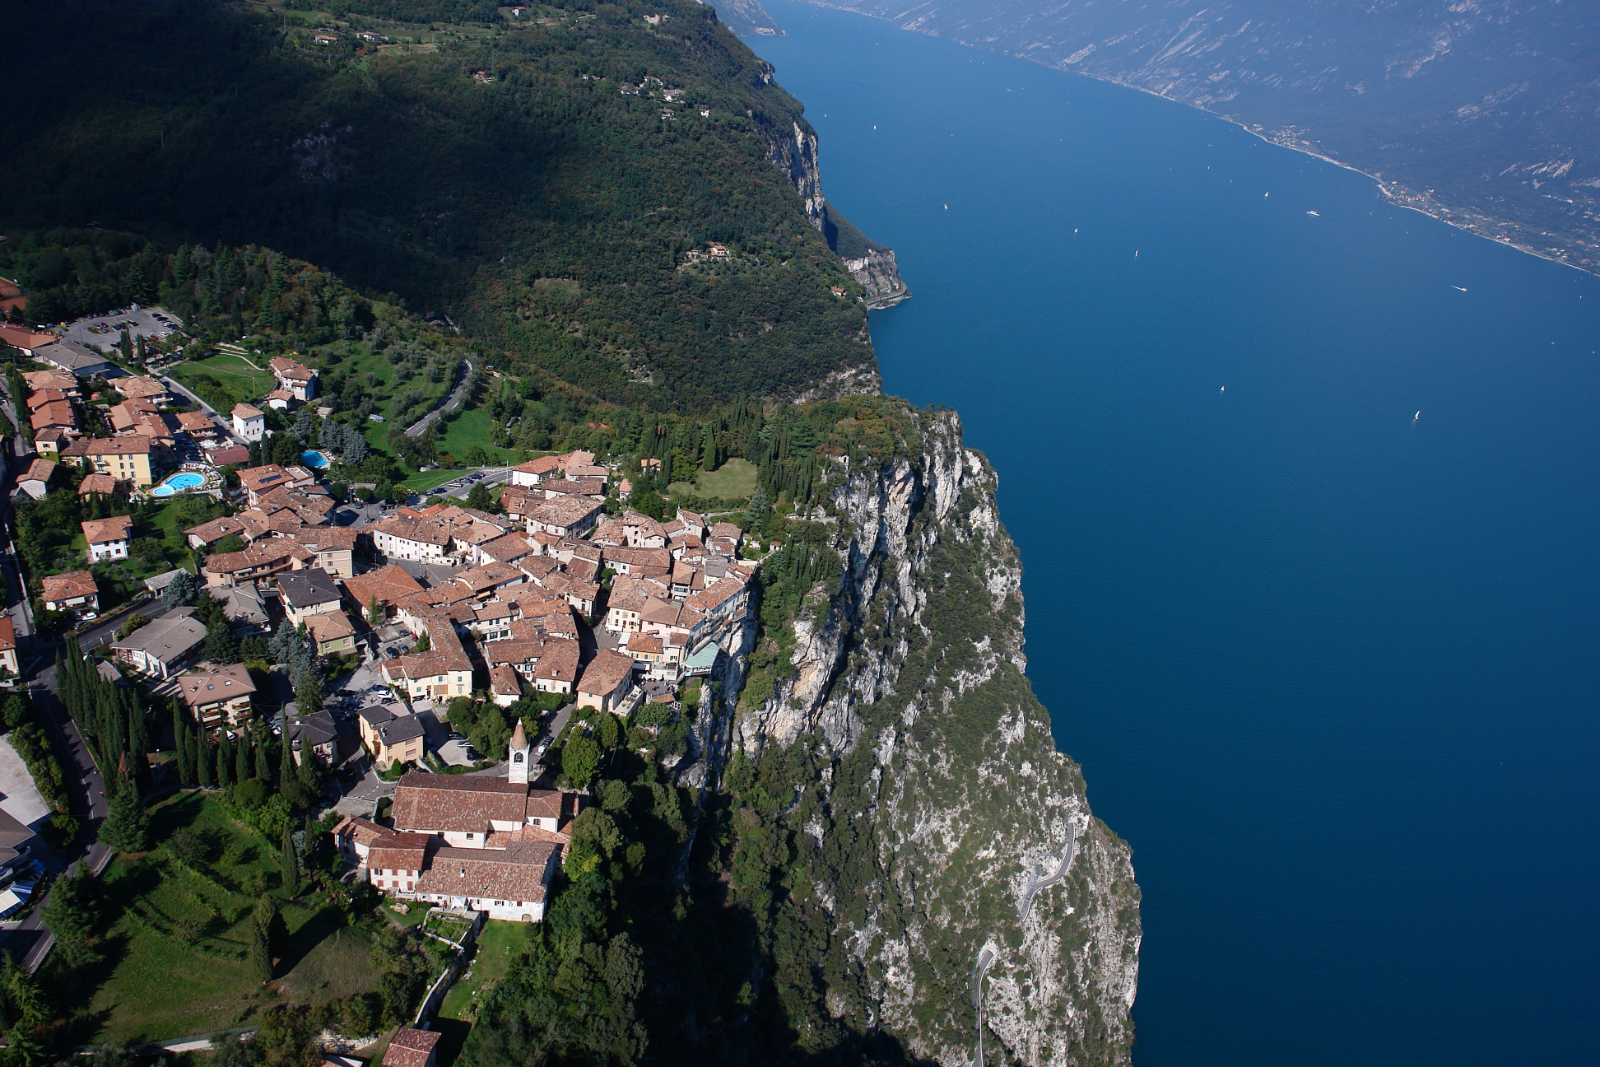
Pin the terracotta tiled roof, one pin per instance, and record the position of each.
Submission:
(515, 873)
(284, 367)
(503, 681)
(606, 673)
(119, 446)
(8, 633)
(392, 851)
(101, 483)
(246, 411)
(258, 554)
(330, 626)
(215, 530)
(55, 413)
(434, 803)
(54, 378)
(40, 397)
(389, 584)
(139, 387)
(563, 512)
(410, 1048)
(40, 470)
(214, 686)
(103, 531)
(69, 586)
(541, 466)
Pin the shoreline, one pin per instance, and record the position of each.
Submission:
(1392, 192)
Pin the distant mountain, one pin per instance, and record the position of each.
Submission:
(747, 18)
(1482, 112)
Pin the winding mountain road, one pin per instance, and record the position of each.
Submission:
(986, 957)
(451, 402)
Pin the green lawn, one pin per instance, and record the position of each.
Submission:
(474, 428)
(499, 944)
(734, 480)
(236, 377)
(430, 479)
(176, 951)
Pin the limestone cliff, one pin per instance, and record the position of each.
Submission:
(879, 274)
(794, 151)
(941, 780)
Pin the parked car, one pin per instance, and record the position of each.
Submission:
(454, 736)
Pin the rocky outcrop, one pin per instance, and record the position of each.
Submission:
(879, 275)
(943, 797)
(873, 266)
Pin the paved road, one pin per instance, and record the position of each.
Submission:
(986, 958)
(451, 402)
(980, 970)
(29, 938)
(222, 420)
(1035, 883)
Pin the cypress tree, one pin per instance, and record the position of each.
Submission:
(180, 745)
(286, 755)
(241, 757)
(260, 955)
(263, 760)
(224, 764)
(205, 763)
(290, 863)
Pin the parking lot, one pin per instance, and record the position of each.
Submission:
(105, 331)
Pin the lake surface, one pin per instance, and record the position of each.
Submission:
(1330, 667)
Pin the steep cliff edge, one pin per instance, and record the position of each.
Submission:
(794, 151)
(933, 794)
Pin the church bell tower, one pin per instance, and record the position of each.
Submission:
(521, 756)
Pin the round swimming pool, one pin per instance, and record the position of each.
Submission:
(177, 484)
(315, 460)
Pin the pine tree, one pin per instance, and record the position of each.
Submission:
(127, 825)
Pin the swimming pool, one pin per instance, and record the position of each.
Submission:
(177, 484)
(315, 460)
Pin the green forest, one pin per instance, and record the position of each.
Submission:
(520, 178)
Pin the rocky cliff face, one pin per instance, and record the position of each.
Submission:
(879, 274)
(941, 781)
(795, 153)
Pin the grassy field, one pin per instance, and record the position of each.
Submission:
(734, 480)
(474, 428)
(233, 374)
(184, 933)
(499, 943)
(430, 479)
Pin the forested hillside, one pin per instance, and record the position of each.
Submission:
(531, 178)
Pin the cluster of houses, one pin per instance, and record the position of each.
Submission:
(511, 586)
(488, 844)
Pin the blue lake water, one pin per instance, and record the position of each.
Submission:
(1329, 667)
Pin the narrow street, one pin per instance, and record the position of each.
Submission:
(29, 940)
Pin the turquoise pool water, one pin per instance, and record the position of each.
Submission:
(315, 460)
(177, 484)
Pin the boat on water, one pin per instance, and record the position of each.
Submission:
(1313, 213)
(1417, 416)
(1457, 287)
